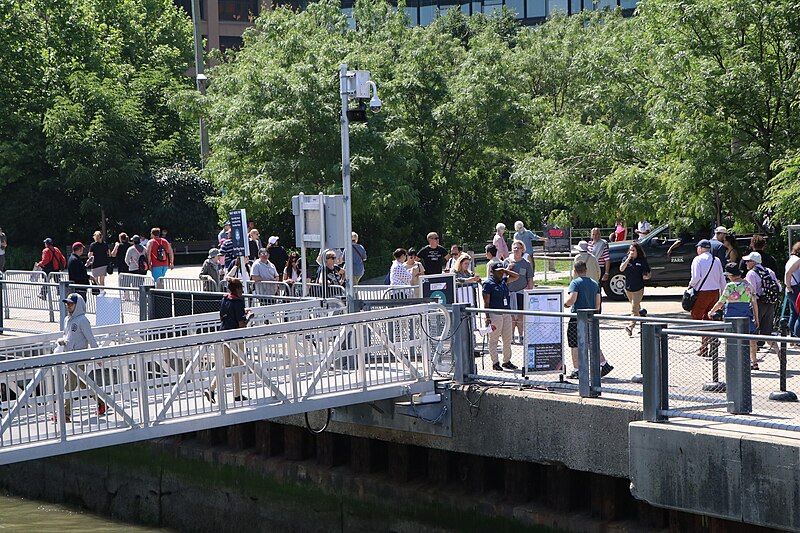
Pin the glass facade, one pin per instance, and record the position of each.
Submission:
(424, 12)
(238, 10)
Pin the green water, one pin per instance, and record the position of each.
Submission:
(22, 514)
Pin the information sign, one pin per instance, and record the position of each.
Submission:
(544, 335)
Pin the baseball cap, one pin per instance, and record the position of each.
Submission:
(753, 256)
(77, 244)
(705, 243)
(226, 223)
(213, 253)
(136, 238)
(71, 299)
(721, 229)
(273, 239)
(583, 246)
(732, 269)
(497, 266)
(48, 241)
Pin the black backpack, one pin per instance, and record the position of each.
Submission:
(771, 291)
(161, 251)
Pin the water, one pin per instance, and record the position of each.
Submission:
(22, 514)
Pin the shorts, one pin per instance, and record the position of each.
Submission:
(159, 272)
(99, 271)
(518, 301)
(766, 318)
(572, 332)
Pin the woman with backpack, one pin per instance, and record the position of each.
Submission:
(768, 291)
(739, 300)
(159, 255)
(135, 257)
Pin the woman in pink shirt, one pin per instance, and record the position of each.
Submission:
(500, 242)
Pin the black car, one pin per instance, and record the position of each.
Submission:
(674, 270)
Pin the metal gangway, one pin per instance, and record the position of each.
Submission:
(162, 386)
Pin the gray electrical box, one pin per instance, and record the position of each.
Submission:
(308, 220)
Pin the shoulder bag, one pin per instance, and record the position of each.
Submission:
(690, 294)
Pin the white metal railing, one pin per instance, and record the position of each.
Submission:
(135, 281)
(45, 344)
(163, 387)
(269, 288)
(181, 284)
(30, 295)
(317, 290)
(385, 292)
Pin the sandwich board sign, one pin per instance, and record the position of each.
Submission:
(544, 335)
(441, 287)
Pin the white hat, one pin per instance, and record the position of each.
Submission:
(721, 229)
(583, 246)
(753, 256)
(273, 239)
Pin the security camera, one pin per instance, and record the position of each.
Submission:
(375, 104)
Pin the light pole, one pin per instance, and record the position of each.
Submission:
(200, 77)
(353, 85)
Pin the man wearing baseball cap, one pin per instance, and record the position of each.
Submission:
(768, 292)
(77, 336)
(718, 244)
(277, 255)
(76, 269)
(708, 281)
(52, 261)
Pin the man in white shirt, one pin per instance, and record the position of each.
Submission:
(643, 228)
(264, 270)
(708, 281)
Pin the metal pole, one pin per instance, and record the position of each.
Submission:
(594, 355)
(303, 258)
(348, 211)
(655, 373)
(584, 335)
(737, 369)
(198, 68)
(461, 344)
(2, 304)
(781, 395)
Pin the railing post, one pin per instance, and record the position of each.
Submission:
(737, 369)
(143, 295)
(60, 414)
(594, 355)
(49, 297)
(655, 372)
(2, 304)
(63, 291)
(781, 395)
(141, 377)
(461, 342)
(584, 339)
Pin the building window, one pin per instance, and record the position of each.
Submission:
(186, 5)
(427, 12)
(536, 9)
(411, 11)
(230, 42)
(557, 6)
(517, 7)
(490, 6)
(238, 10)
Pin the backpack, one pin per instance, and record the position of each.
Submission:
(771, 291)
(142, 263)
(161, 251)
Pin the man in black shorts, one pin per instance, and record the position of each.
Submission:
(584, 293)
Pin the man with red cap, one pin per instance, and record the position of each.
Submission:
(76, 269)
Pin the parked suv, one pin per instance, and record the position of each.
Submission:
(674, 270)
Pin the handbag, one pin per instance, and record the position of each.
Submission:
(690, 295)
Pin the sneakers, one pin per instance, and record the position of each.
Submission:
(210, 396)
(509, 365)
(101, 409)
(54, 418)
(605, 368)
(241, 398)
(573, 374)
(497, 367)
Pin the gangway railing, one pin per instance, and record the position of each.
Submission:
(45, 344)
(386, 292)
(112, 395)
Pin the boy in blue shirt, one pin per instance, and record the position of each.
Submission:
(497, 296)
(584, 293)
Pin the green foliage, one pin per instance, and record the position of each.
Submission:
(89, 107)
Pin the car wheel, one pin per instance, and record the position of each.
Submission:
(615, 286)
